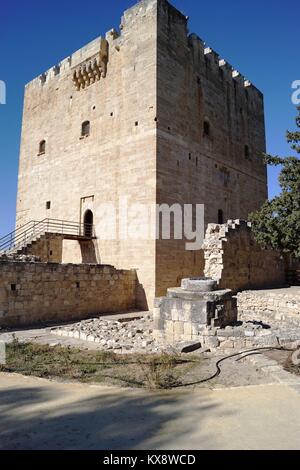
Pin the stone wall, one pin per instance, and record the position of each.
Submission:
(76, 252)
(33, 293)
(48, 248)
(237, 262)
(55, 248)
(281, 305)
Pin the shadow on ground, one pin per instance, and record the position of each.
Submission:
(63, 416)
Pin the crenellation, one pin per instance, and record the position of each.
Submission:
(88, 53)
(197, 46)
(99, 46)
(43, 78)
(238, 81)
(137, 11)
(56, 69)
(196, 41)
(112, 35)
(226, 69)
(213, 58)
(228, 72)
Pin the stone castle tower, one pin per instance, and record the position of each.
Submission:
(150, 113)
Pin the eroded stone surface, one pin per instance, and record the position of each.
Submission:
(236, 261)
(32, 293)
(19, 257)
(199, 284)
(186, 311)
(274, 305)
(115, 335)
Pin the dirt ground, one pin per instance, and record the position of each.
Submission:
(38, 414)
(163, 371)
(284, 359)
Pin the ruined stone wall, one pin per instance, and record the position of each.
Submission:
(32, 293)
(194, 86)
(237, 262)
(282, 305)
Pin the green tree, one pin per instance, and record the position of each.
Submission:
(277, 224)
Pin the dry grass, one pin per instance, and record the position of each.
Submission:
(154, 372)
(163, 371)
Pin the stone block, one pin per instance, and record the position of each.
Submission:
(174, 313)
(187, 329)
(188, 346)
(195, 329)
(228, 344)
(199, 312)
(198, 284)
(211, 342)
(158, 323)
(178, 329)
(156, 312)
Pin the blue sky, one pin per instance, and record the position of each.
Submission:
(260, 39)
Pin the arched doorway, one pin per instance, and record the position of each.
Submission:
(88, 222)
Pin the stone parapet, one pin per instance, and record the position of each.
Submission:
(278, 305)
(33, 293)
(237, 262)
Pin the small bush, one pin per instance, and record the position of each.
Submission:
(160, 372)
(154, 372)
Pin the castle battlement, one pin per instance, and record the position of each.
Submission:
(90, 62)
(89, 52)
(86, 53)
(223, 70)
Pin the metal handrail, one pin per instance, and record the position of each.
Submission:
(9, 235)
(29, 232)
